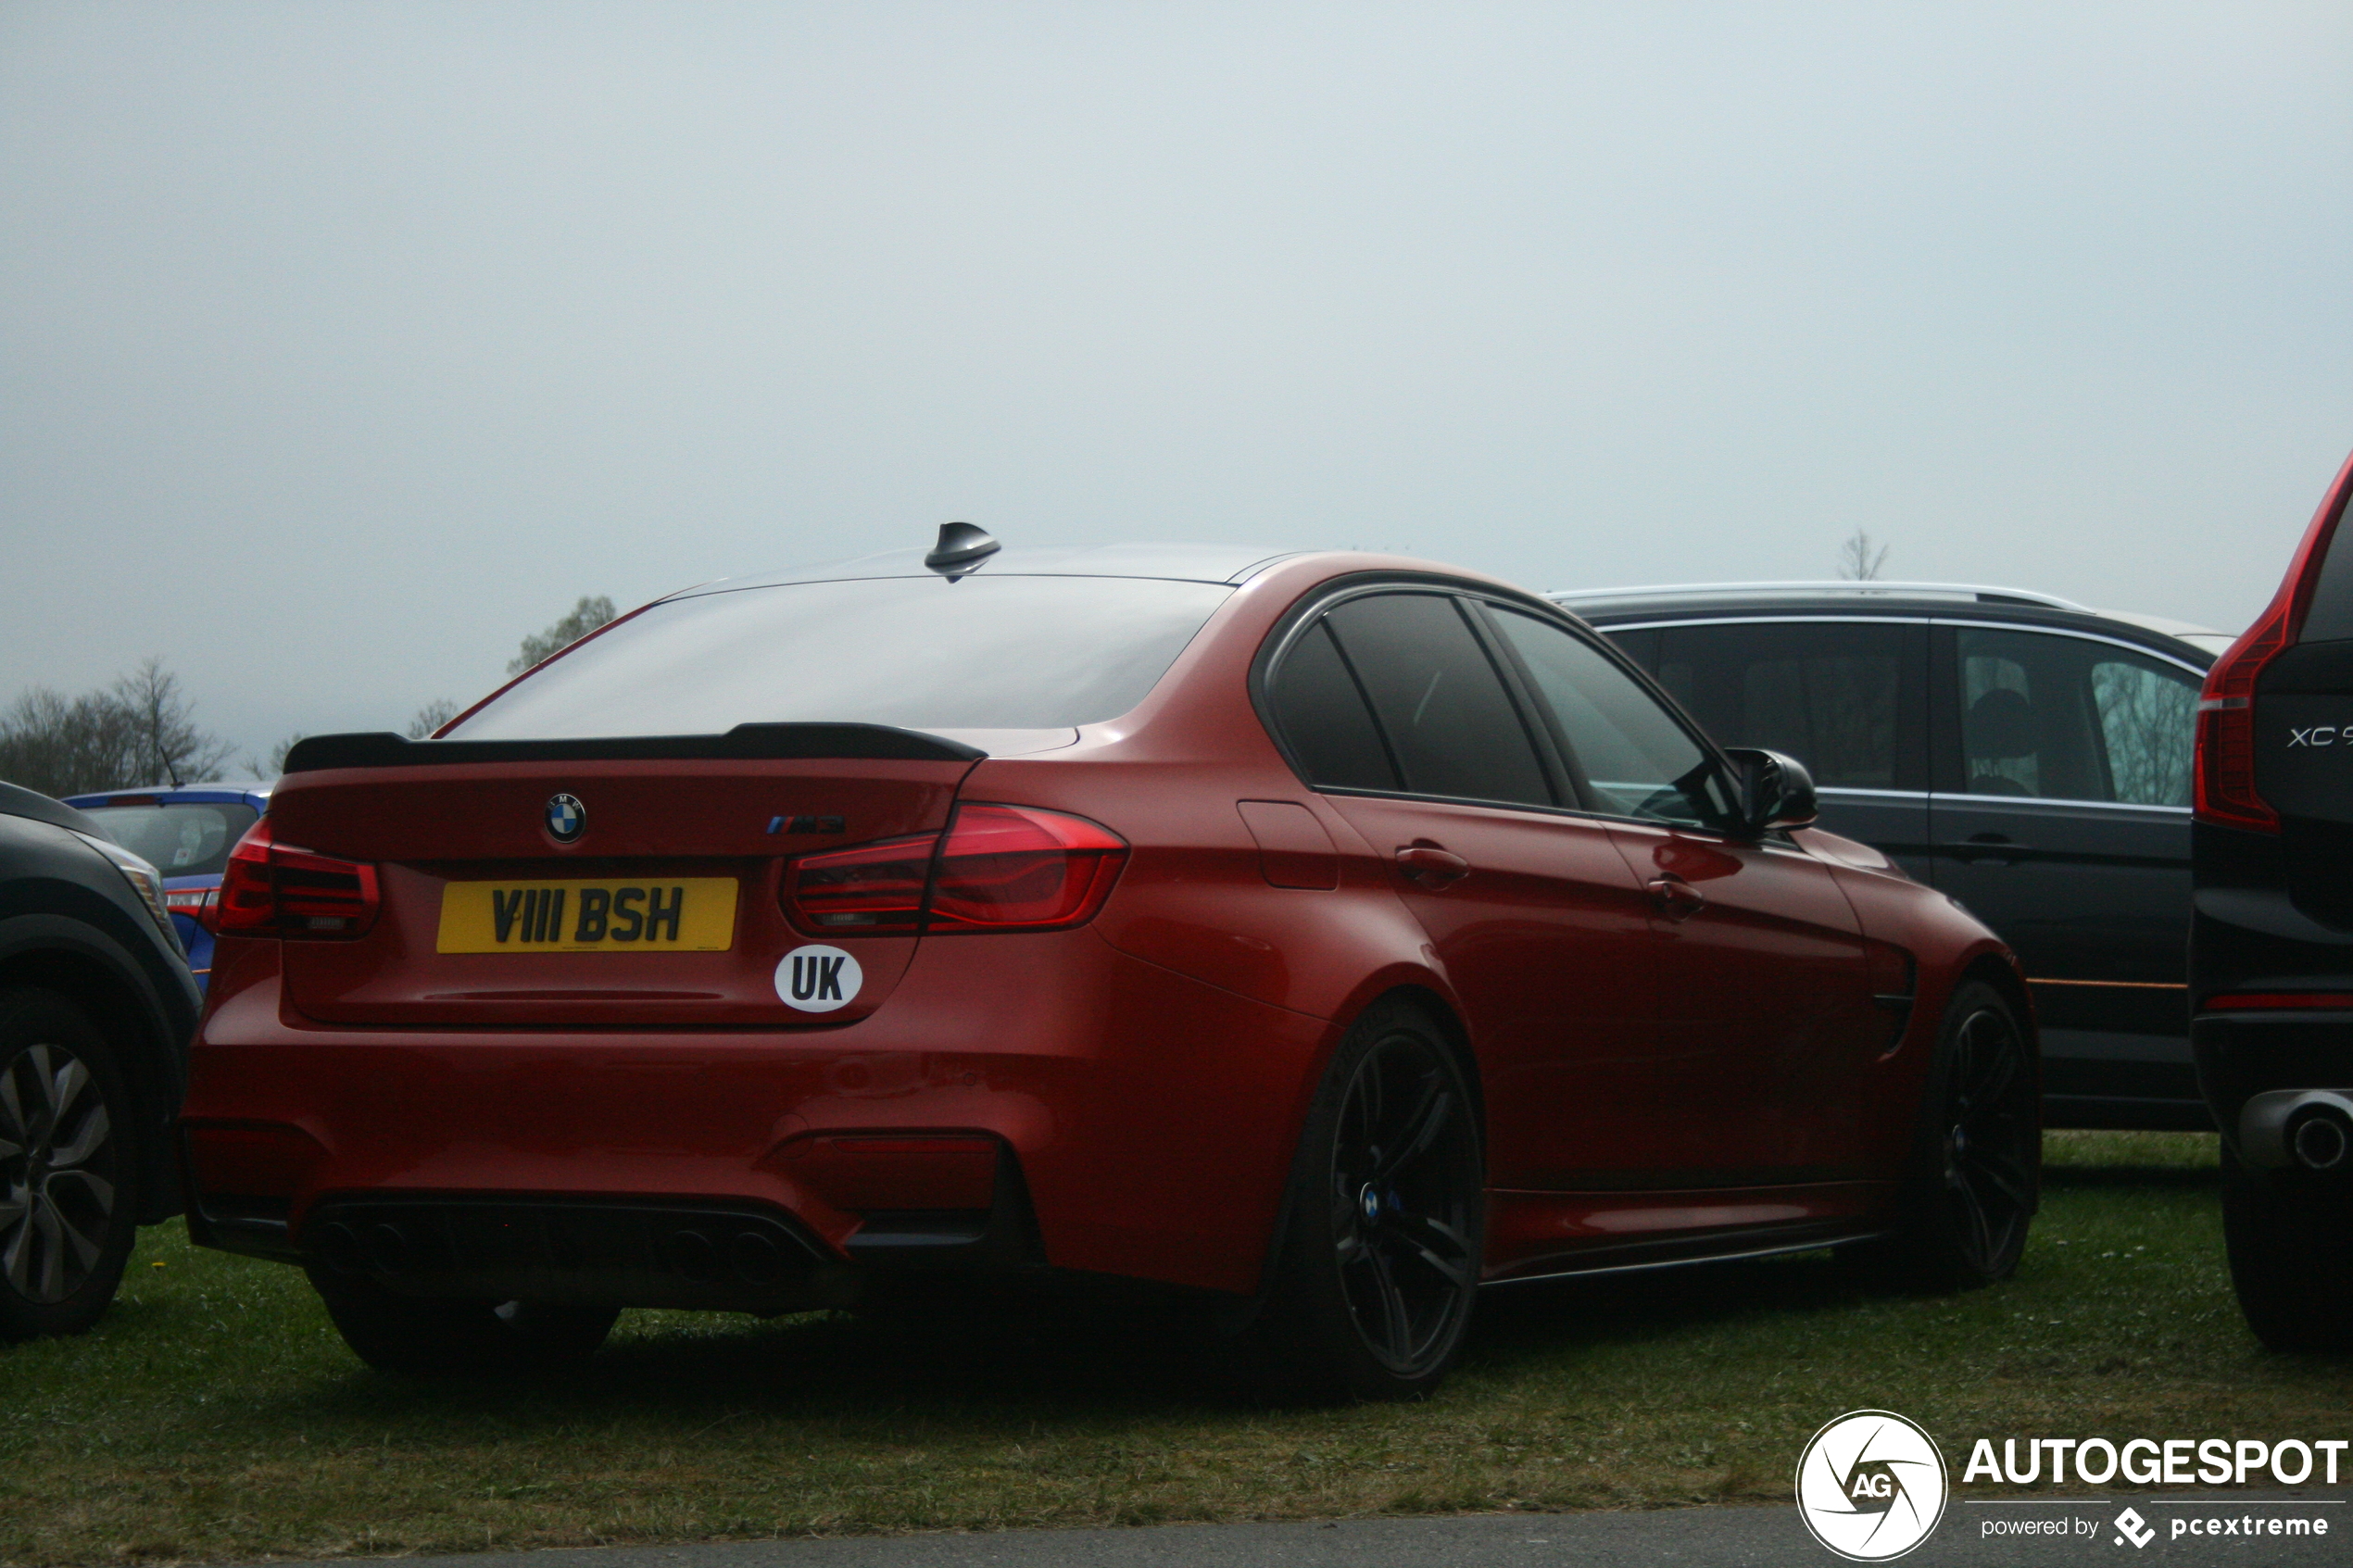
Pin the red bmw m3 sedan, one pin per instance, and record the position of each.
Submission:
(1331, 936)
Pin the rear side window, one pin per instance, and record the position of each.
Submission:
(1830, 693)
(184, 838)
(1319, 710)
(2068, 718)
(1637, 761)
(1439, 703)
(984, 653)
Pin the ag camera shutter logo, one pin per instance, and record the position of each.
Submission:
(1872, 1486)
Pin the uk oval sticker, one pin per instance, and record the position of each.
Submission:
(818, 978)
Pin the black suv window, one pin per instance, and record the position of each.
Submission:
(1833, 694)
(1449, 725)
(1637, 761)
(2069, 719)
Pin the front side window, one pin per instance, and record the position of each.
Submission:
(1637, 761)
(2067, 718)
(1441, 705)
(923, 653)
(2148, 724)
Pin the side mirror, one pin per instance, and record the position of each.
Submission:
(1776, 790)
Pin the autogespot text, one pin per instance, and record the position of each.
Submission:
(2148, 1461)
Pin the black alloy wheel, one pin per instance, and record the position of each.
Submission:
(66, 1169)
(1977, 1171)
(1387, 1223)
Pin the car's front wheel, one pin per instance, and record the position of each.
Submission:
(1382, 1251)
(426, 1336)
(2290, 1242)
(1975, 1178)
(68, 1172)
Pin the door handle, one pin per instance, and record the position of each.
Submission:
(1676, 898)
(1990, 853)
(1432, 867)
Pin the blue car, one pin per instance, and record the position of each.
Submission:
(186, 834)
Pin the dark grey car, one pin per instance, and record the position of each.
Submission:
(2028, 755)
(97, 1007)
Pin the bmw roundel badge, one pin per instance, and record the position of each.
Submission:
(566, 818)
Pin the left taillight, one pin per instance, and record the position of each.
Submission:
(197, 903)
(271, 889)
(997, 868)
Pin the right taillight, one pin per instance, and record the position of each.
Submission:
(271, 889)
(2223, 773)
(2224, 770)
(997, 868)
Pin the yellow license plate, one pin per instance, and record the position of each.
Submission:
(688, 914)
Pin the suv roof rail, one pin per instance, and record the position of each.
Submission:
(1837, 585)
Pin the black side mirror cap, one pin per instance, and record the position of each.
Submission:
(1776, 790)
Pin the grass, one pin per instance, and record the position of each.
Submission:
(214, 1414)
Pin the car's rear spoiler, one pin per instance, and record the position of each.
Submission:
(382, 748)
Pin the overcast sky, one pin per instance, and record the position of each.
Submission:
(343, 344)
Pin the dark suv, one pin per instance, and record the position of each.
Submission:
(2271, 942)
(96, 1005)
(2026, 755)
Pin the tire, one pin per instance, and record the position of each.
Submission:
(2290, 1241)
(430, 1337)
(1974, 1179)
(1382, 1250)
(69, 1165)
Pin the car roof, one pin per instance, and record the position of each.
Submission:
(1717, 601)
(1196, 563)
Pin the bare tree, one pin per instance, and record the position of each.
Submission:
(164, 721)
(1857, 562)
(430, 716)
(585, 617)
(139, 730)
(276, 766)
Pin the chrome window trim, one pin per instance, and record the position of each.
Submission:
(2058, 800)
(1883, 794)
(1793, 618)
(2026, 629)
(2030, 627)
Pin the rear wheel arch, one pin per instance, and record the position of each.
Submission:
(1442, 1016)
(132, 1025)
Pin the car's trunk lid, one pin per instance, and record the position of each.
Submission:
(466, 858)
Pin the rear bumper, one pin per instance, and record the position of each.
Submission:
(1039, 1098)
(2244, 1058)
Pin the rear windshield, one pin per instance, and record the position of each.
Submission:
(185, 838)
(986, 653)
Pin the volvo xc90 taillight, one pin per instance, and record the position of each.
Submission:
(271, 889)
(997, 868)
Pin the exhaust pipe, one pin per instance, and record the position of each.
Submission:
(2306, 1129)
(2318, 1141)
